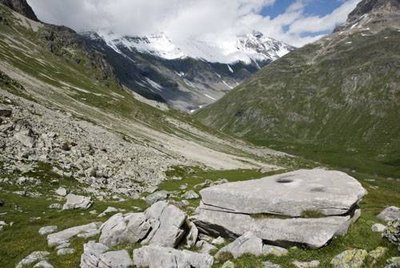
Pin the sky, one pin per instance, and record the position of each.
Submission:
(296, 22)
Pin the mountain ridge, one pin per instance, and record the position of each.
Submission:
(337, 95)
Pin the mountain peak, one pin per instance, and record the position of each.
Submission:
(22, 7)
(374, 6)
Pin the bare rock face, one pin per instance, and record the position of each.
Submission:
(20, 6)
(155, 257)
(314, 233)
(330, 193)
(161, 224)
(313, 206)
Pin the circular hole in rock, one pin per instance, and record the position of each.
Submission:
(284, 180)
(317, 189)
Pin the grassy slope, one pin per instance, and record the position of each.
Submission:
(324, 101)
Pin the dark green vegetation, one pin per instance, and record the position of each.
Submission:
(336, 101)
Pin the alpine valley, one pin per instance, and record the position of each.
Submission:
(165, 152)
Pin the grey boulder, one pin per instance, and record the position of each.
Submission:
(77, 202)
(47, 230)
(313, 232)
(389, 214)
(291, 194)
(156, 257)
(33, 258)
(156, 197)
(63, 237)
(248, 243)
(115, 259)
(161, 224)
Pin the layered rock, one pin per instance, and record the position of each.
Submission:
(155, 257)
(313, 207)
(291, 194)
(98, 255)
(161, 224)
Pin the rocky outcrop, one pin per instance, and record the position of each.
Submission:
(161, 224)
(303, 199)
(20, 6)
(329, 193)
(155, 257)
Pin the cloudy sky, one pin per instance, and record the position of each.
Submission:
(296, 22)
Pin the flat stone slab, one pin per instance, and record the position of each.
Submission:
(330, 193)
(313, 233)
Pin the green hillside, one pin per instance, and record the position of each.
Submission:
(336, 101)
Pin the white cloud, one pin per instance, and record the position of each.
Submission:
(181, 19)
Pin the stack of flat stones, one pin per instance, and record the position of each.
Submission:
(304, 207)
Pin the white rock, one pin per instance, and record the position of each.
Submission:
(268, 264)
(189, 195)
(248, 243)
(274, 250)
(128, 228)
(43, 264)
(378, 228)
(77, 202)
(33, 258)
(218, 241)
(107, 211)
(157, 257)
(314, 233)
(65, 251)
(289, 194)
(389, 214)
(91, 254)
(61, 191)
(47, 230)
(64, 236)
(311, 264)
(191, 237)
(115, 259)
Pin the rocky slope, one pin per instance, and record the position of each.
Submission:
(337, 95)
(52, 84)
(187, 75)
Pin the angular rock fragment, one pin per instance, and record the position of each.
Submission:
(64, 236)
(248, 243)
(47, 230)
(33, 258)
(389, 214)
(156, 257)
(161, 224)
(77, 202)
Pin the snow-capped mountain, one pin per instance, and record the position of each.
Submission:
(185, 74)
(254, 47)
